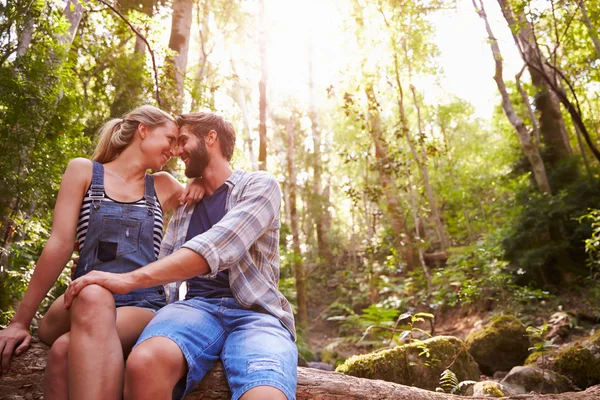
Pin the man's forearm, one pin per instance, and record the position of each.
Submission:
(181, 265)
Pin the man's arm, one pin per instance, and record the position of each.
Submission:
(223, 245)
(182, 264)
(218, 248)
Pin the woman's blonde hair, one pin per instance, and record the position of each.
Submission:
(117, 133)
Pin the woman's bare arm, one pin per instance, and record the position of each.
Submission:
(53, 259)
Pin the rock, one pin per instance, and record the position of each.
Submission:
(336, 352)
(489, 389)
(302, 361)
(320, 365)
(522, 380)
(500, 345)
(499, 375)
(409, 364)
(579, 364)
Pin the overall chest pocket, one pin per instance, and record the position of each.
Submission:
(119, 237)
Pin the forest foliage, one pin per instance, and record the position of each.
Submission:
(395, 201)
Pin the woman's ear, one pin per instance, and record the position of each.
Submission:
(143, 130)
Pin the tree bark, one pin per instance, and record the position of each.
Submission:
(529, 147)
(322, 206)
(262, 88)
(240, 98)
(24, 37)
(73, 12)
(552, 126)
(24, 382)
(179, 42)
(423, 168)
(302, 314)
(404, 241)
(591, 29)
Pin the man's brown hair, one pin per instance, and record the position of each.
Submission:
(200, 123)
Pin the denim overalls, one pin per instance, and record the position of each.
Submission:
(120, 239)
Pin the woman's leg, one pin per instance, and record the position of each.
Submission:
(95, 358)
(131, 321)
(55, 323)
(56, 381)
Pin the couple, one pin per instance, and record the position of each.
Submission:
(226, 248)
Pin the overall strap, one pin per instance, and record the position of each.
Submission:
(97, 186)
(149, 198)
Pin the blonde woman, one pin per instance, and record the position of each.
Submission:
(115, 210)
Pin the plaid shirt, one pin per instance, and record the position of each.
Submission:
(245, 241)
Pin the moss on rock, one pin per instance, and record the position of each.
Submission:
(500, 345)
(532, 358)
(488, 389)
(409, 365)
(579, 364)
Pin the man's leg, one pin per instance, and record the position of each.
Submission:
(182, 341)
(153, 369)
(260, 357)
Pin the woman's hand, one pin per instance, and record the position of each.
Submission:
(193, 193)
(15, 338)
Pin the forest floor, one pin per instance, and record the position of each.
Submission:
(582, 310)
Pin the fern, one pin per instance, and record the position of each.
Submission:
(449, 383)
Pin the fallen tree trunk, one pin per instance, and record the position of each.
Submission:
(24, 382)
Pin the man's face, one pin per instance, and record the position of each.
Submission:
(193, 153)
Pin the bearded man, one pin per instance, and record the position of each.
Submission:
(226, 248)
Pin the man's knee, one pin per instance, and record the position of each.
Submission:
(264, 393)
(157, 356)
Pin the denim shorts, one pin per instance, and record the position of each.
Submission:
(254, 347)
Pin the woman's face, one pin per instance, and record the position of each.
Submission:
(160, 144)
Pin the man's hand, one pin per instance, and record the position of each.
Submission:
(116, 283)
(15, 338)
(193, 193)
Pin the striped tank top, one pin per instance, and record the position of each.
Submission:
(84, 216)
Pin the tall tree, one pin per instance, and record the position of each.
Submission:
(262, 87)
(593, 31)
(321, 198)
(179, 43)
(551, 123)
(302, 313)
(529, 145)
(403, 239)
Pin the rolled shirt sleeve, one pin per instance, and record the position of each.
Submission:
(255, 212)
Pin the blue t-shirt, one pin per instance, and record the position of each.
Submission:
(208, 212)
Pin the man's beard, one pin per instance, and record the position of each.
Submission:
(198, 159)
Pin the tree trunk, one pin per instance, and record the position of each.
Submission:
(73, 12)
(24, 382)
(591, 29)
(552, 126)
(179, 42)
(301, 315)
(404, 242)
(24, 37)
(424, 169)
(240, 98)
(530, 148)
(320, 216)
(262, 87)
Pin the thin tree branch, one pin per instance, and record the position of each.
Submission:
(147, 45)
